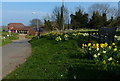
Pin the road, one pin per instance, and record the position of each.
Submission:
(14, 54)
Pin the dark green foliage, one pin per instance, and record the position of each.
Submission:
(48, 25)
(97, 20)
(79, 20)
(115, 22)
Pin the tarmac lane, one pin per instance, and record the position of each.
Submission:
(15, 54)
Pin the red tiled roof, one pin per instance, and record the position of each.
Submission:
(15, 25)
(22, 28)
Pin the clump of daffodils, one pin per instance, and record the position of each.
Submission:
(102, 53)
(117, 37)
(85, 34)
(66, 36)
(74, 34)
(58, 38)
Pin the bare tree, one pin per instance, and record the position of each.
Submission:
(101, 8)
(113, 12)
(57, 16)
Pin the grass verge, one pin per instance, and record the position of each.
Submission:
(58, 60)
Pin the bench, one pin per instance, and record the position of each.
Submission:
(104, 35)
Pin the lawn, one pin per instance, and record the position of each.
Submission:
(53, 59)
(4, 39)
(29, 36)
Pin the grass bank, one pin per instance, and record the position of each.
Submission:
(58, 60)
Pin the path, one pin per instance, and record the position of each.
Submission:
(14, 54)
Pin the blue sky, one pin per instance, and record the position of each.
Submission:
(21, 12)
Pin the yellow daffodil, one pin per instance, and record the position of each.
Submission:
(104, 62)
(89, 44)
(104, 51)
(85, 45)
(94, 46)
(115, 49)
(95, 55)
(115, 36)
(106, 44)
(58, 38)
(82, 46)
(113, 44)
(93, 33)
(110, 59)
(97, 49)
(110, 47)
(98, 54)
(78, 33)
(74, 34)
(89, 49)
(66, 35)
(97, 44)
(102, 45)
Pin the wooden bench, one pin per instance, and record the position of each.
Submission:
(104, 35)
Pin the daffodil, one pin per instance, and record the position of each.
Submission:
(97, 44)
(58, 38)
(85, 45)
(102, 45)
(113, 44)
(95, 55)
(66, 35)
(115, 36)
(106, 44)
(97, 49)
(98, 54)
(74, 34)
(109, 47)
(78, 33)
(110, 59)
(89, 49)
(104, 62)
(82, 46)
(89, 44)
(115, 49)
(104, 51)
(93, 33)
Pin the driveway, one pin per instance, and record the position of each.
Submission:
(14, 54)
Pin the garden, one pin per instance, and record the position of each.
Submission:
(58, 55)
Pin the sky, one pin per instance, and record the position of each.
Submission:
(21, 12)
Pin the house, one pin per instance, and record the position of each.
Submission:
(20, 28)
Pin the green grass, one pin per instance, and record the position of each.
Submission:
(8, 39)
(4, 42)
(29, 36)
(58, 60)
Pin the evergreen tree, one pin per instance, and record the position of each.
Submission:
(79, 20)
(48, 25)
(96, 20)
(104, 20)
